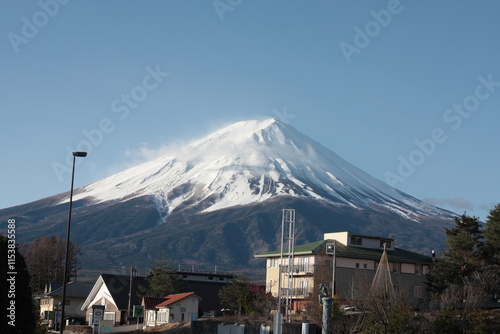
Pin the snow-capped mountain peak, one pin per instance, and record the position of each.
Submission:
(249, 162)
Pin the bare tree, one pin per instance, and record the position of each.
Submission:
(45, 260)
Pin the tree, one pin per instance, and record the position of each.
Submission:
(492, 236)
(465, 245)
(162, 279)
(238, 295)
(16, 298)
(385, 309)
(464, 256)
(45, 258)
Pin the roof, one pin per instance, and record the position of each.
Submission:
(74, 289)
(118, 286)
(51, 286)
(150, 303)
(203, 273)
(170, 299)
(396, 255)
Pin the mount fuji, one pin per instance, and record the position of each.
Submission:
(218, 201)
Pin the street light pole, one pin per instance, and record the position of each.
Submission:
(331, 248)
(75, 154)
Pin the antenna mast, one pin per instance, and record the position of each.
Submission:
(286, 262)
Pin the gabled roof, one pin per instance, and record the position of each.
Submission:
(74, 289)
(51, 286)
(396, 255)
(171, 299)
(118, 287)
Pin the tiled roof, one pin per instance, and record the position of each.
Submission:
(170, 299)
(396, 255)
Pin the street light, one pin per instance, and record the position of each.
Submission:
(82, 155)
(331, 249)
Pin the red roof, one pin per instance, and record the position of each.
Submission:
(170, 299)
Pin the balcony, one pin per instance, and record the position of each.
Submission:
(299, 270)
(301, 292)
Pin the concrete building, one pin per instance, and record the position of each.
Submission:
(343, 255)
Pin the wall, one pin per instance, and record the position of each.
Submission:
(210, 327)
(342, 237)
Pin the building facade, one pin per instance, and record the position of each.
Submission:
(51, 300)
(338, 262)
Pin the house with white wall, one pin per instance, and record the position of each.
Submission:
(112, 292)
(180, 307)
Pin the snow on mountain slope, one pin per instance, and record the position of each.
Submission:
(249, 162)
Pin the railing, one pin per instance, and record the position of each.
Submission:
(299, 269)
(297, 292)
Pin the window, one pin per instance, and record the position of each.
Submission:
(396, 267)
(221, 278)
(356, 241)
(303, 289)
(417, 291)
(273, 262)
(418, 269)
(365, 266)
(357, 265)
(303, 265)
(162, 316)
(210, 278)
(109, 316)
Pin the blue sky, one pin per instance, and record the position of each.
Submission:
(408, 91)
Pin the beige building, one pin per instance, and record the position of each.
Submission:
(353, 254)
(51, 299)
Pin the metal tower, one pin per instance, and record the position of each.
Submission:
(286, 262)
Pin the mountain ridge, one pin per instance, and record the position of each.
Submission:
(248, 162)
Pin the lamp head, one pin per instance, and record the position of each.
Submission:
(80, 154)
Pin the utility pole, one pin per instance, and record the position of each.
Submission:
(132, 270)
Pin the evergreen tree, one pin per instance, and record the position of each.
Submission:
(162, 280)
(16, 300)
(465, 244)
(238, 295)
(492, 236)
(463, 257)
